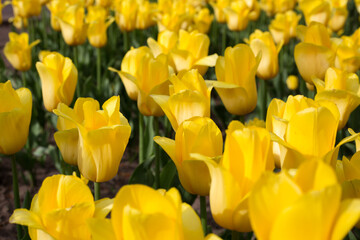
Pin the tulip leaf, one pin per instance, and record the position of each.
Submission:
(142, 175)
(167, 175)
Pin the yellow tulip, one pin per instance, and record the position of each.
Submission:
(73, 27)
(219, 6)
(306, 206)
(191, 52)
(96, 32)
(203, 20)
(292, 82)
(142, 213)
(314, 55)
(27, 8)
(18, 51)
(195, 136)
(347, 53)
(125, 14)
(236, 83)
(339, 15)
(61, 209)
(357, 4)
(189, 97)
(145, 15)
(149, 75)
(247, 155)
(341, 88)
(56, 8)
(283, 26)
(316, 11)
(58, 77)
(166, 41)
(19, 22)
(103, 3)
(271, 7)
(102, 137)
(237, 15)
(269, 64)
(15, 116)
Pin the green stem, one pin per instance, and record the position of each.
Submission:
(16, 192)
(98, 69)
(223, 39)
(96, 191)
(203, 214)
(126, 41)
(157, 154)
(75, 56)
(141, 138)
(23, 78)
(264, 98)
(235, 235)
(237, 37)
(44, 19)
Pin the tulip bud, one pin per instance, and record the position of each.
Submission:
(292, 82)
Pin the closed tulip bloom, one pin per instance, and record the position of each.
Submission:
(203, 20)
(339, 15)
(27, 8)
(247, 155)
(15, 116)
(307, 206)
(347, 53)
(142, 213)
(102, 137)
(219, 6)
(125, 14)
(166, 41)
(314, 55)
(189, 97)
(237, 15)
(341, 88)
(73, 27)
(61, 209)
(292, 82)
(271, 7)
(283, 26)
(145, 15)
(236, 83)
(316, 11)
(58, 77)
(18, 51)
(98, 24)
(195, 136)
(56, 8)
(269, 64)
(191, 52)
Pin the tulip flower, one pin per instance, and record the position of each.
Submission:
(237, 15)
(125, 14)
(292, 82)
(149, 75)
(236, 83)
(203, 20)
(58, 77)
(61, 209)
(271, 7)
(142, 213)
(314, 55)
(347, 53)
(73, 27)
(145, 15)
(269, 64)
(247, 155)
(339, 15)
(316, 11)
(18, 51)
(56, 8)
(102, 137)
(166, 41)
(195, 136)
(191, 52)
(219, 6)
(341, 88)
(189, 97)
(15, 116)
(27, 8)
(283, 26)
(98, 25)
(285, 207)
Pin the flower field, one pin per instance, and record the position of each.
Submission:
(180, 119)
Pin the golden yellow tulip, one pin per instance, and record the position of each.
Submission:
(73, 27)
(237, 15)
(292, 82)
(189, 97)
(285, 207)
(283, 26)
(96, 32)
(15, 116)
(166, 41)
(197, 135)
(58, 77)
(219, 6)
(18, 51)
(316, 11)
(271, 7)
(142, 213)
(102, 137)
(314, 55)
(125, 14)
(339, 15)
(341, 88)
(247, 155)
(145, 15)
(61, 209)
(27, 8)
(236, 83)
(347, 53)
(191, 52)
(56, 8)
(269, 64)
(203, 20)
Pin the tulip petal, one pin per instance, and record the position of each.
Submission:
(67, 142)
(191, 224)
(27, 218)
(209, 61)
(168, 145)
(103, 207)
(101, 229)
(348, 215)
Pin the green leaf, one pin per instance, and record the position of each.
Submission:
(167, 175)
(142, 175)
